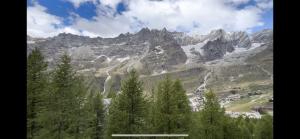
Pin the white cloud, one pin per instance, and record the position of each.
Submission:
(106, 24)
(77, 3)
(265, 4)
(236, 2)
(207, 14)
(111, 3)
(247, 18)
(42, 24)
(193, 16)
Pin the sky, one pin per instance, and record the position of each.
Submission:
(109, 18)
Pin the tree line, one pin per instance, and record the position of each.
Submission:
(61, 106)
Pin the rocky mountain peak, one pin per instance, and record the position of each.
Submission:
(218, 32)
(159, 49)
(121, 35)
(70, 35)
(144, 31)
(65, 34)
(265, 35)
(164, 30)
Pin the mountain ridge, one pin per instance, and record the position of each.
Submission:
(155, 53)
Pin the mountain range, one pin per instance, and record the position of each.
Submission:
(230, 63)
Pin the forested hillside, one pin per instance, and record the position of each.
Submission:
(61, 105)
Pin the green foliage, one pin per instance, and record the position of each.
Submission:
(67, 113)
(115, 121)
(166, 108)
(195, 125)
(61, 106)
(128, 109)
(36, 90)
(183, 110)
(264, 128)
(151, 112)
(62, 101)
(172, 108)
(212, 123)
(230, 128)
(243, 132)
(211, 118)
(112, 93)
(96, 115)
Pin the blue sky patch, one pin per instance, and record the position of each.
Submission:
(121, 7)
(86, 10)
(268, 21)
(57, 7)
(64, 9)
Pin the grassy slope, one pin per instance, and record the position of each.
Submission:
(248, 77)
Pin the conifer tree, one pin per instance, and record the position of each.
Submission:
(96, 115)
(211, 118)
(173, 113)
(264, 128)
(183, 110)
(36, 89)
(115, 119)
(64, 117)
(195, 126)
(166, 108)
(230, 128)
(244, 130)
(251, 126)
(112, 93)
(151, 112)
(78, 114)
(127, 111)
(62, 85)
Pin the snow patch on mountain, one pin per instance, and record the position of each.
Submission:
(241, 49)
(107, 58)
(159, 50)
(197, 47)
(158, 73)
(255, 45)
(194, 52)
(123, 59)
(30, 42)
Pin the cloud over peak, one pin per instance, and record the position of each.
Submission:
(190, 16)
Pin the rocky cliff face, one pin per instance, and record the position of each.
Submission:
(229, 58)
(262, 36)
(216, 49)
(155, 50)
(217, 43)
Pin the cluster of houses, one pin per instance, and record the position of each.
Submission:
(229, 98)
(197, 102)
(263, 109)
(253, 114)
(258, 92)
